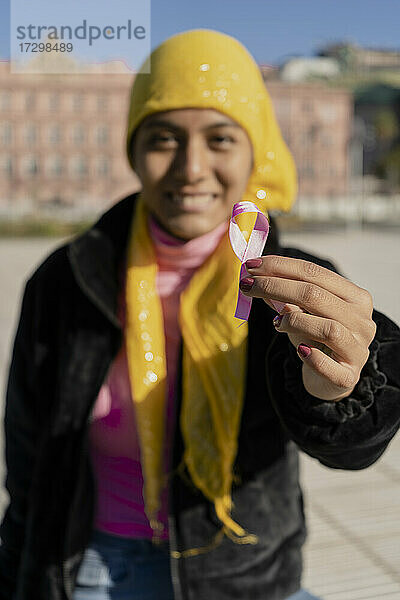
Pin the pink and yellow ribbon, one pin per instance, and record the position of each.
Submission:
(248, 249)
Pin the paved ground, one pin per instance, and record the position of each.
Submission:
(353, 550)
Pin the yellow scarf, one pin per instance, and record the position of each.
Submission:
(204, 69)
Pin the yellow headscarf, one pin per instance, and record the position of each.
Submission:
(199, 69)
(208, 69)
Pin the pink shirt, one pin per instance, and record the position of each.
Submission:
(114, 447)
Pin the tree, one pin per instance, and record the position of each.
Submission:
(386, 124)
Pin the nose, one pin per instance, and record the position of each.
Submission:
(192, 162)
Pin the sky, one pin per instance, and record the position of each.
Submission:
(273, 30)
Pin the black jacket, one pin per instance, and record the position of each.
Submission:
(67, 337)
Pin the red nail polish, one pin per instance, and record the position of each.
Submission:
(303, 350)
(277, 321)
(253, 263)
(246, 284)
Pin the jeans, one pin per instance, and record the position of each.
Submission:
(303, 595)
(117, 568)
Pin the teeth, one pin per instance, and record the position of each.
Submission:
(192, 200)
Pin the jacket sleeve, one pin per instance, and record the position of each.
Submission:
(353, 432)
(20, 424)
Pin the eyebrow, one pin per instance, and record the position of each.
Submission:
(164, 123)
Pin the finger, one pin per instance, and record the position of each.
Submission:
(302, 270)
(342, 377)
(308, 296)
(290, 308)
(270, 304)
(328, 332)
(281, 308)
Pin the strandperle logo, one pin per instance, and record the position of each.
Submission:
(81, 32)
(94, 36)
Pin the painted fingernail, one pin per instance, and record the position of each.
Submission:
(303, 350)
(253, 263)
(277, 321)
(246, 284)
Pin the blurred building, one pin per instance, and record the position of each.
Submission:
(357, 58)
(303, 68)
(377, 110)
(269, 71)
(62, 138)
(316, 122)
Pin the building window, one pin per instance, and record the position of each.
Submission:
(30, 166)
(305, 139)
(54, 101)
(6, 166)
(30, 101)
(54, 134)
(313, 133)
(307, 169)
(6, 133)
(55, 166)
(102, 134)
(78, 134)
(77, 102)
(286, 135)
(78, 166)
(30, 134)
(102, 103)
(102, 166)
(5, 100)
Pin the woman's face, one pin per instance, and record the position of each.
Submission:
(194, 165)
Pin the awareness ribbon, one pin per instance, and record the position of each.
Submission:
(248, 249)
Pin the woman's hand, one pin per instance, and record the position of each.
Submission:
(327, 318)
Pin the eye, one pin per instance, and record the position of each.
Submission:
(163, 140)
(222, 141)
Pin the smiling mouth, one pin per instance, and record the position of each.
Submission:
(191, 202)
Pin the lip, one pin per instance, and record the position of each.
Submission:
(196, 209)
(185, 192)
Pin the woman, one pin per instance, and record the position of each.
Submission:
(151, 442)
